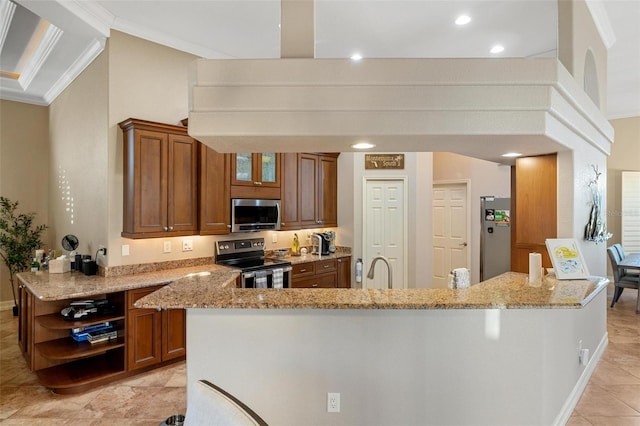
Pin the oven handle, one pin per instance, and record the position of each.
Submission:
(267, 271)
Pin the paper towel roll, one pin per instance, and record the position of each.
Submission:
(535, 267)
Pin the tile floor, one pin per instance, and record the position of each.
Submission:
(611, 398)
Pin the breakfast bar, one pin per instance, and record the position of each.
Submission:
(504, 351)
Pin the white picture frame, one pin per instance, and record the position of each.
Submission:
(567, 259)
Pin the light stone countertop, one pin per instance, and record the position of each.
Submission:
(510, 290)
(70, 285)
(310, 257)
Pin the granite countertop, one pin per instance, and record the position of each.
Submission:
(311, 257)
(68, 285)
(510, 290)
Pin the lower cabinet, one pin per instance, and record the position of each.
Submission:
(145, 338)
(326, 273)
(153, 336)
(344, 272)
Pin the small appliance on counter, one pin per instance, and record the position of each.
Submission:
(322, 242)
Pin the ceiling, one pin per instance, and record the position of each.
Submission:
(39, 58)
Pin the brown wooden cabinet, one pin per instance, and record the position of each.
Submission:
(215, 186)
(153, 336)
(160, 180)
(322, 273)
(146, 338)
(61, 363)
(344, 272)
(534, 209)
(255, 175)
(309, 191)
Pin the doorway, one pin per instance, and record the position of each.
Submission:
(451, 224)
(385, 230)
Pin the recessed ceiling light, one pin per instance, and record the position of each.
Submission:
(363, 145)
(463, 20)
(497, 48)
(512, 154)
(356, 57)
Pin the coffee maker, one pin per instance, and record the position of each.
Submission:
(321, 243)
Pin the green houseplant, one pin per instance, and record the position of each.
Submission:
(19, 237)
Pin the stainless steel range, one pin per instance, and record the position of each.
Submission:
(257, 270)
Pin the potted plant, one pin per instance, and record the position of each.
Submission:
(18, 240)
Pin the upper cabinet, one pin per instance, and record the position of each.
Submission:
(309, 191)
(160, 180)
(255, 175)
(215, 201)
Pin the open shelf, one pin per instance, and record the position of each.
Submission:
(75, 376)
(57, 322)
(69, 349)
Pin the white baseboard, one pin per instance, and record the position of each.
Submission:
(581, 384)
(5, 305)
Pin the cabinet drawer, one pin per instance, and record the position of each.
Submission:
(139, 293)
(303, 269)
(321, 281)
(323, 266)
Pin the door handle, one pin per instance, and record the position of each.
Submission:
(463, 244)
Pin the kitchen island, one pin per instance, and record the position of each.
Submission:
(504, 351)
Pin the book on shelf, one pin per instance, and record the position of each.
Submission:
(81, 334)
(101, 336)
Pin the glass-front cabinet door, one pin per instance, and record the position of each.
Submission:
(256, 169)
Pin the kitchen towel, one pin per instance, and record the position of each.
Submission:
(277, 277)
(261, 279)
(535, 267)
(460, 278)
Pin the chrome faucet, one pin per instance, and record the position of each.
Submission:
(373, 266)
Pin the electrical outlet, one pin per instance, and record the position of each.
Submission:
(333, 402)
(187, 245)
(274, 237)
(125, 249)
(166, 247)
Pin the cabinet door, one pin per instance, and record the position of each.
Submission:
(328, 190)
(174, 333)
(182, 184)
(149, 191)
(215, 181)
(344, 272)
(143, 331)
(255, 169)
(290, 213)
(143, 338)
(307, 189)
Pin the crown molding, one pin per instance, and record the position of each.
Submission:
(7, 9)
(45, 47)
(603, 24)
(83, 61)
(135, 29)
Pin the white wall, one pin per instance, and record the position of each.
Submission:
(485, 179)
(399, 367)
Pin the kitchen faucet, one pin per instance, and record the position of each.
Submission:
(373, 265)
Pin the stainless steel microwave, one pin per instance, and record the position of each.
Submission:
(254, 215)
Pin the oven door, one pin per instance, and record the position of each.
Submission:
(264, 278)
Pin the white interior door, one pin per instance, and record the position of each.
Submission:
(385, 231)
(450, 223)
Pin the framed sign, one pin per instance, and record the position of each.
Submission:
(384, 161)
(567, 260)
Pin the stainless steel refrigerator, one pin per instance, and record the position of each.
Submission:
(495, 238)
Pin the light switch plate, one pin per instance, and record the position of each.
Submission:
(125, 249)
(166, 247)
(187, 245)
